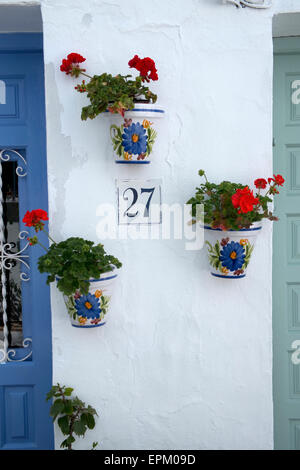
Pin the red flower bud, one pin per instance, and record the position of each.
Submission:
(260, 183)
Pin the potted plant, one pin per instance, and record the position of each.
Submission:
(73, 416)
(133, 133)
(84, 273)
(233, 217)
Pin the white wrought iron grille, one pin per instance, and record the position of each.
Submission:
(8, 259)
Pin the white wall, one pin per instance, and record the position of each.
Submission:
(186, 359)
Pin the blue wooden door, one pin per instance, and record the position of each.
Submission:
(286, 245)
(25, 317)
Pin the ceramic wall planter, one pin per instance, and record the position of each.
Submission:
(229, 253)
(134, 136)
(90, 310)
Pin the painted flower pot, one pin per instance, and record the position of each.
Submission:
(229, 253)
(90, 310)
(133, 136)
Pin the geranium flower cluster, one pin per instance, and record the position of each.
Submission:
(70, 65)
(244, 200)
(34, 219)
(145, 66)
(277, 180)
(232, 206)
(106, 92)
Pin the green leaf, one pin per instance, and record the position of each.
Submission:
(79, 428)
(68, 408)
(67, 442)
(89, 420)
(57, 408)
(63, 423)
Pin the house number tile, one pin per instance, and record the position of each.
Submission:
(139, 201)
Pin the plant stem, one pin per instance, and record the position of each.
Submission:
(39, 243)
(71, 420)
(86, 75)
(48, 236)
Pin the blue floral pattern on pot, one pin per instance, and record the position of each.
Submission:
(230, 258)
(88, 306)
(89, 309)
(133, 141)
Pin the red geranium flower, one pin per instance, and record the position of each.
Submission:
(134, 61)
(66, 66)
(145, 66)
(75, 58)
(244, 200)
(278, 180)
(34, 219)
(260, 183)
(71, 62)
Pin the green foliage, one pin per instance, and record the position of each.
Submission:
(117, 139)
(219, 210)
(72, 415)
(214, 254)
(73, 262)
(104, 303)
(151, 139)
(116, 93)
(248, 252)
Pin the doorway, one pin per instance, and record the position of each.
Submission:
(286, 244)
(25, 315)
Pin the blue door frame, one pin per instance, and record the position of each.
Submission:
(24, 413)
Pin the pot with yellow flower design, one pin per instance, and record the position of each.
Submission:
(90, 310)
(229, 252)
(133, 136)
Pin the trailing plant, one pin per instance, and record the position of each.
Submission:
(112, 93)
(232, 206)
(73, 417)
(71, 262)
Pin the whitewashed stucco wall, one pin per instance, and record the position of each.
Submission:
(186, 359)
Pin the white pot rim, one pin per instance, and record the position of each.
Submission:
(109, 275)
(141, 109)
(256, 226)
